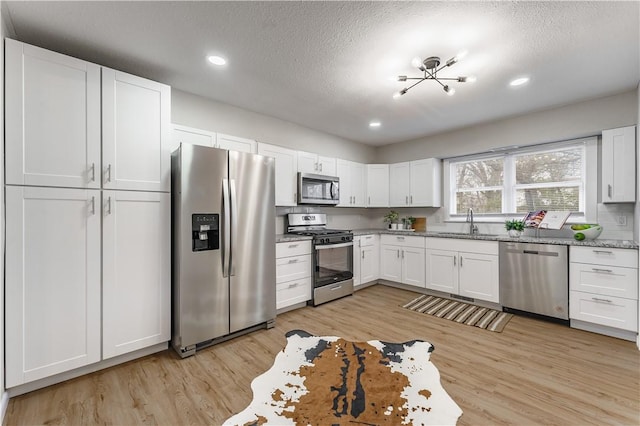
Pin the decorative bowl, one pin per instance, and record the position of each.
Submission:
(586, 231)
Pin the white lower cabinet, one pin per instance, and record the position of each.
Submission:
(57, 317)
(402, 259)
(52, 284)
(366, 259)
(136, 289)
(293, 273)
(603, 286)
(463, 267)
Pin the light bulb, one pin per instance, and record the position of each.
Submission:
(402, 78)
(217, 60)
(397, 95)
(416, 62)
(450, 90)
(471, 79)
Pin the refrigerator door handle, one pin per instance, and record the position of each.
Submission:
(234, 223)
(226, 231)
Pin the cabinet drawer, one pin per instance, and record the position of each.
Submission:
(604, 280)
(368, 240)
(293, 268)
(604, 310)
(291, 292)
(462, 245)
(293, 248)
(627, 258)
(401, 240)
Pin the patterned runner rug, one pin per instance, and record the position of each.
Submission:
(325, 380)
(461, 312)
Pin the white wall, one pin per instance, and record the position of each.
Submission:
(195, 111)
(577, 120)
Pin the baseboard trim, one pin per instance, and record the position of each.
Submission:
(67, 375)
(4, 403)
(632, 336)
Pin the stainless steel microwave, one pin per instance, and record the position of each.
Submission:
(318, 189)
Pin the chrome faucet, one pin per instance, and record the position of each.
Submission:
(473, 229)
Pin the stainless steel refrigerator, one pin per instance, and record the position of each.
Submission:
(223, 254)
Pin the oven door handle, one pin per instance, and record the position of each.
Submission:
(331, 246)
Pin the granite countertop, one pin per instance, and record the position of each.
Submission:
(625, 244)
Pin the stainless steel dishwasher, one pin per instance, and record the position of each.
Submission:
(535, 278)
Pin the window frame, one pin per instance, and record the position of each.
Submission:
(589, 181)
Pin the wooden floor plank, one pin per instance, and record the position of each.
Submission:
(534, 372)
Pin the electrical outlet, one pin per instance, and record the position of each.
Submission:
(621, 220)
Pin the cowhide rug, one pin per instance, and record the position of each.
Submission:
(324, 380)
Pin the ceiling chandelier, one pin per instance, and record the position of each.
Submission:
(430, 68)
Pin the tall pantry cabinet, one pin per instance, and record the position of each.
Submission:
(87, 213)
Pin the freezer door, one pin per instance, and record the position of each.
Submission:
(253, 261)
(200, 292)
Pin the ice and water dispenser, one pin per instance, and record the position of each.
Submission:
(205, 232)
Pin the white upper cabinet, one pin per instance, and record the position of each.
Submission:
(309, 162)
(377, 185)
(399, 187)
(136, 288)
(415, 183)
(57, 107)
(426, 183)
(192, 136)
(235, 143)
(619, 165)
(136, 114)
(52, 110)
(352, 183)
(286, 172)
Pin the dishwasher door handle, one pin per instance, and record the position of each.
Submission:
(541, 253)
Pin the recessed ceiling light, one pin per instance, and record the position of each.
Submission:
(519, 81)
(374, 124)
(217, 60)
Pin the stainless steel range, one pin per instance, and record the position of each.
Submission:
(332, 256)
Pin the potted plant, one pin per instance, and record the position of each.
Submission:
(515, 227)
(392, 219)
(408, 222)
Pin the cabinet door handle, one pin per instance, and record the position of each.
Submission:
(93, 172)
(398, 254)
(295, 198)
(597, 299)
(406, 199)
(411, 199)
(454, 260)
(293, 285)
(109, 205)
(363, 255)
(603, 251)
(461, 261)
(602, 270)
(293, 245)
(109, 173)
(609, 188)
(320, 166)
(93, 205)
(400, 238)
(293, 260)
(403, 254)
(369, 201)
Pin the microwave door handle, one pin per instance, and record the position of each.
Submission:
(332, 190)
(226, 229)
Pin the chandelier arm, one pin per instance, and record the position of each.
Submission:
(449, 78)
(414, 84)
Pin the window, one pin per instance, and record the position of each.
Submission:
(542, 177)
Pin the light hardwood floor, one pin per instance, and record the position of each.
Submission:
(534, 372)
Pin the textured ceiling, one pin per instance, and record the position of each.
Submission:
(327, 65)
